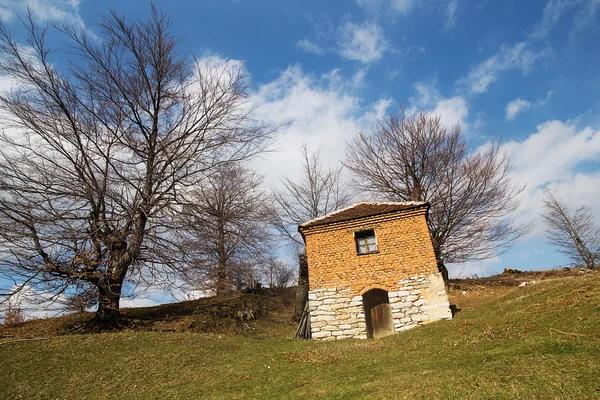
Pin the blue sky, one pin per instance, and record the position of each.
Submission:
(525, 72)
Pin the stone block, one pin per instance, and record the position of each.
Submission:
(402, 306)
(421, 318)
(322, 318)
(321, 335)
(411, 298)
(331, 328)
(317, 324)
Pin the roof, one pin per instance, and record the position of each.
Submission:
(361, 210)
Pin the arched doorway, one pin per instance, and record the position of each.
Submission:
(378, 314)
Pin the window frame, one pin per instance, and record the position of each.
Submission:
(362, 237)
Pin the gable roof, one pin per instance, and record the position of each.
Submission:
(362, 209)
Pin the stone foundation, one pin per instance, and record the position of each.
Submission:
(337, 314)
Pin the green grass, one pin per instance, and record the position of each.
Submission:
(540, 342)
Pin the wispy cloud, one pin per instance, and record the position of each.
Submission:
(532, 49)
(323, 110)
(515, 107)
(361, 42)
(519, 56)
(554, 155)
(552, 13)
(453, 110)
(44, 10)
(451, 14)
(402, 7)
(310, 46)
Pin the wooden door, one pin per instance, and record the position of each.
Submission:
(378, 314)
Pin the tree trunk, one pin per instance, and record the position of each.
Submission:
(109, 296)
(222, 286)
(302, 290)
(437, 251)
(443, 270)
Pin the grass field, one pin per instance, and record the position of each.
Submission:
(541, 341)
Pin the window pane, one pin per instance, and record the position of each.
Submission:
(365, 241)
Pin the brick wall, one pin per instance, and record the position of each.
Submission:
(404, 250)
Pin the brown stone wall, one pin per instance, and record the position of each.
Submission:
(405, 250)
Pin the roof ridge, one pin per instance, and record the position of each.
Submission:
(358, 203)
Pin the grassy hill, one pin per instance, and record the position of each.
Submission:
(541, 341)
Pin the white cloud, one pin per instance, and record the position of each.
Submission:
(53, 10)
(361, 42)
(520, 56)
(451, 110)
(35, 304)
(515, 107)
(553, 155)
(310, 46)
(321, 110)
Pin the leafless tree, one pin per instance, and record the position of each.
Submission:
(278, 274)
(81, 297)
(96, 158)
(319, 191)
(417, 158)
(12, 313)
(575, 234)
(228, 220)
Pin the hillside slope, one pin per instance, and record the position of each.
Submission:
(541, 341)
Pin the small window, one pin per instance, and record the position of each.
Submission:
(366, 242)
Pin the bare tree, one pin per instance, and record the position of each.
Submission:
(96, 159)
(228, 221)
(319, 191)
(81, 298)
(576, 234)
(12, 314)
(417, 158)
(278, 274)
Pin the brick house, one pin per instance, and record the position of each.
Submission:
(372, 271)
